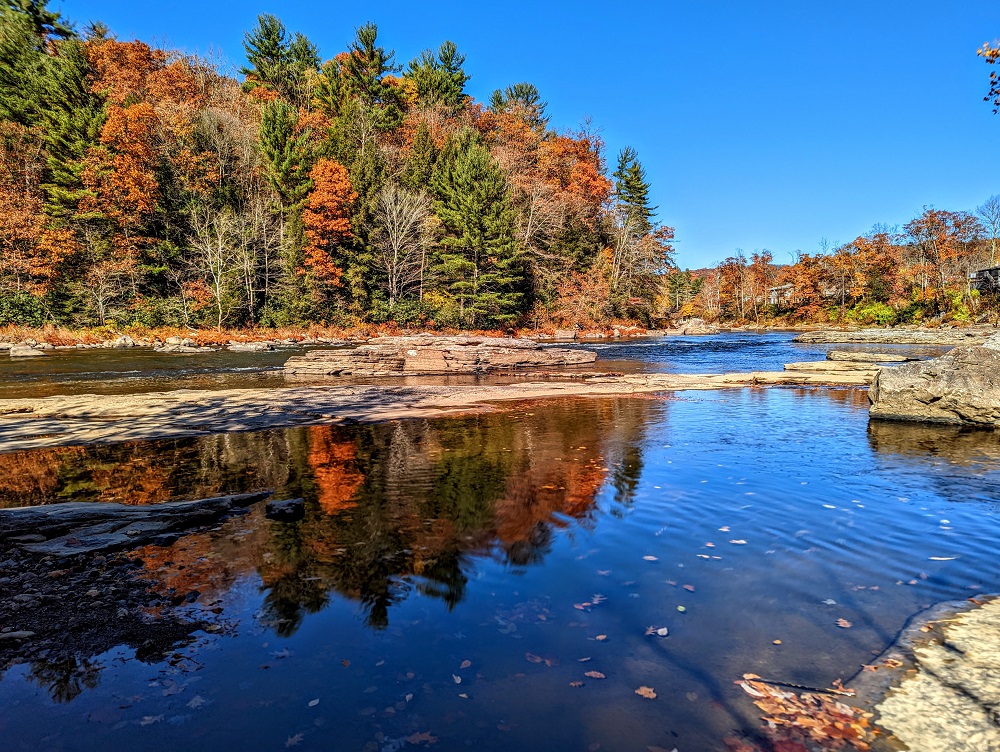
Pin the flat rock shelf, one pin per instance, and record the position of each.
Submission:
(418, 356)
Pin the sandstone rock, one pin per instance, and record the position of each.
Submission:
(124, 341)
(696, 327)
(175, 340)
(4, 346)
(410, 356)
(961, 387)
(564, 334)
(901, 336)
(20, 351)
(868, 357)
(183, 349)
(250, 346)
(286, 510)
(826, 366)
(45, 346)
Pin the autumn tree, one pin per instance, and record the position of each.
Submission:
(991, 54)
(402, 237)
(277, 62)
(326, 223)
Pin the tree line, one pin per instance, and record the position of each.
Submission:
(144, 186)
(929, 269)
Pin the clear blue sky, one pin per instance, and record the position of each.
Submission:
(767, 124)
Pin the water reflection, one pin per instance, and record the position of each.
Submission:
(962, 446)
(391, 509)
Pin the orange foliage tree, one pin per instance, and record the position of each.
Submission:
(326, 221)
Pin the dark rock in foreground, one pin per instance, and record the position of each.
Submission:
(414, 356)
(961, 387)
(76, 528)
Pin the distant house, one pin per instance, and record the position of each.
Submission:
(780, 294)
(986, 280)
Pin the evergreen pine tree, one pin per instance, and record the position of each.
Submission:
(632, 190)
(419, 165)
(440, 78)
(481, 256)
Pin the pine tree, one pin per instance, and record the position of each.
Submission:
(277, 63)
(440, 78)
(632, 191)
(523, 100)
(481, 256)
(287, 154)
(419, 165)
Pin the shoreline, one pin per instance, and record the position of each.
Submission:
(94, 419)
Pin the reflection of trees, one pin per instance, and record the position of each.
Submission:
(66, 678)
(430, 496)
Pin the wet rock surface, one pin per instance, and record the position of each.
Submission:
(75, 528)
(286, 510)
(853, 356)
(960, 387)
(409, 356)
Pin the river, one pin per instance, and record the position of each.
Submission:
(490, 582)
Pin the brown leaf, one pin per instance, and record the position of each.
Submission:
(601, 637)
(844, 624)
(532, 658)
(576, 684)
(646, 692)
(465, 664)
(595, 675)
(421, 736)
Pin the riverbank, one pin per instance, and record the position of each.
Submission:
(88, 418)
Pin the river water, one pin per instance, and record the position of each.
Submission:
(455, 580)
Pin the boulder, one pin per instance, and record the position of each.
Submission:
(4, 346)
(412, 356)
(285, 510)
(960, 387)
(22, 351)
(696, 327)
(250, 346)
(124, 341)
(564, 334)
(175, 340)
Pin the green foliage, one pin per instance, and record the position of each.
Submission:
(287, 155)
(873, 313)
(481, 258)
(440, 78)
(277, 62)
(22, 309)
(632, 190)
(419, 166)
(521, 99)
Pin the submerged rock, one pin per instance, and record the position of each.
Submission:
(411, 356)
(962, 386)
(285, 510)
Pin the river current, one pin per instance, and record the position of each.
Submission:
(503, 581)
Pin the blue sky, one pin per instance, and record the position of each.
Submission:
(768, 124)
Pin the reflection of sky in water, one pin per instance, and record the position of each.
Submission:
(428, 544)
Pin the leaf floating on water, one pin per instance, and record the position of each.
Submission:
(595, 675)
(943, 558)
(657, 631)
(646, 692)
(345, 663)
(601, 637)
(583, 660)
(314, 703)
(457, 678)
(532, 658)
(294, 741)
(463, 696)
(775, 642)
(724, 529)
(282, 653)
(196, 702)
(738, 541)
(148, 720)
(681, 609)
(597, 598)
(576, 684)
(421, 737)
(465, 664)
(650, 558)
(844, 624)
(689, 588)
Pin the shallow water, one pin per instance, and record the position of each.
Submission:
(767, 514)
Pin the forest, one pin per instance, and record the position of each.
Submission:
(147, 187)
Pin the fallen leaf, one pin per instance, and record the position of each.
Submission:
(532, 658)
(463, 696)
(601, 637)
(583, 660)
(646, 692)
(776, 642)
(576, 684)
(313, 703)
(650, 558)
(739, 542)
(844, 623)
(724, 529)
(595, 675)
(689, 588)
(943, 558)
(457, 678)
(345, 663)
(465, 664)
(294, 741)
(422, 736)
